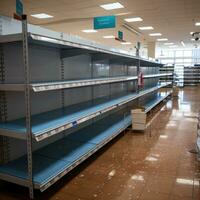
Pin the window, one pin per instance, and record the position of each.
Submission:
(179, 53)
(187, 53)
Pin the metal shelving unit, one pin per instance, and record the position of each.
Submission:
(66, 117)
(198, 138)
(55, 160)
(168, 74)
(191, 76)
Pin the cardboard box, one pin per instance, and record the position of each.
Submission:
(138, 127)
(139, 118)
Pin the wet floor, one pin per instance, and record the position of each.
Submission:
(155, 165)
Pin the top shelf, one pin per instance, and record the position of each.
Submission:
(73, 45)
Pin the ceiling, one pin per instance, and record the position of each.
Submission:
(175, 19)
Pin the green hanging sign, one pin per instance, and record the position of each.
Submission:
(120, 35)
(19, 7)
(104, 22)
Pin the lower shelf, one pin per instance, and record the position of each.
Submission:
(55, 160)
(153, 103)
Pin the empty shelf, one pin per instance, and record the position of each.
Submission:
(150, 105)
(57, 85)
(157, 75)
(79, 45)
(50, 123)
(53, 161)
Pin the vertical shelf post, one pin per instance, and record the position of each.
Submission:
(62, 69)
(27, 104)
(138, 88)
(4, 141)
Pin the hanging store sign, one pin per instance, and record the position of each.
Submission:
(19, 7)
(120, 35)
(104, 22)
(19, 10)
(138, 45)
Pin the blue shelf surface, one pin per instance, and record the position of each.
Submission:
(155, 101)
(52, 122)
(53, 159)
(70, 114)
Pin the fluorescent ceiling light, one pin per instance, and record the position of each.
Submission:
(173, 46)
(163, 136)
(112, 6)
(143, 28)
(134, 19)
(89, 31)
(168, 43)
(155, 34)
(108, 36)
(121, 14)
(197, 24)
(162, 39)
(183, 43)
(126, 43)
(42, 16)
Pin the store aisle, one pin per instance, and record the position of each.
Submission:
(156, 165)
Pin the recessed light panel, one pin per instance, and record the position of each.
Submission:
(42, 16)
(121, 14)
(155, 34)
(162, 39)
(134, 19)
(173, 46)
(112, 6)
(143, 28)
(197, 24)
(183, 43)
(169, 43)
(108, 36)
(89, 31)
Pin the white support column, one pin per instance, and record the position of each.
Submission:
(151, 46)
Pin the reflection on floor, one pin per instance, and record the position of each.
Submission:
(156, 165)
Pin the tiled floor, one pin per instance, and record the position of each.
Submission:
(155, 165)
